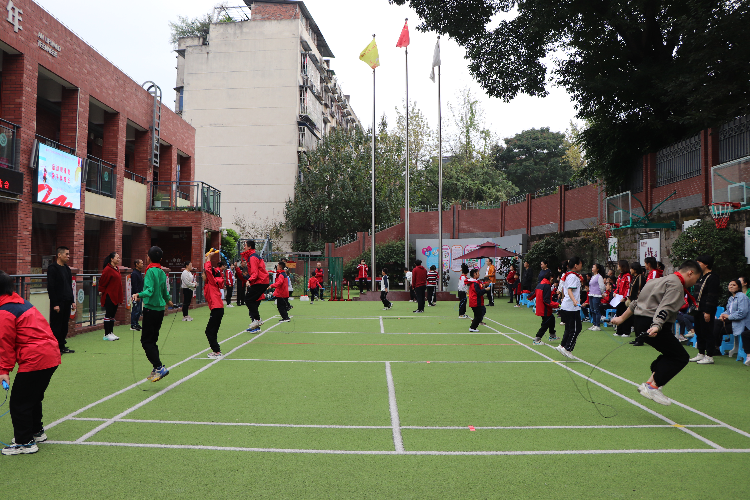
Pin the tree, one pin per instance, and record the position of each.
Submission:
(389, 255)
(422, 150)
(197, 26)
(229, 244)
(574, 152)
(534, 159)
(332, 196)
(643, 73)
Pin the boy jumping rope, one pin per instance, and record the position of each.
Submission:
(155, 296)
(476, 299)
(655, 311)
(281, 292)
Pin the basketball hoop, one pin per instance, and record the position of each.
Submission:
(608, 226)
(720, 212)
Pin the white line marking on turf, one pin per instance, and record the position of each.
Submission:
(382, 328)
(629, 400)
(390, 452)
(681, 405)
(395, 421)
(132, 386)
(413, 427)
(380, 361)
(165, 390)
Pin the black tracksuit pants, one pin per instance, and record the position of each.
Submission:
(254, 292)
(187, 298)
(212, 328)
(58, 322)
(461, 303)
(479, 313)
(548, 323)
(110, 311)
(228, 294)
(240, 294)
(573, 327)
(26, 403)
(384, 298)
(420, 291)
(282, 304)
(672, 358)
(152, 320)
(705, 333)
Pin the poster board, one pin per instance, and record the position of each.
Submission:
(58, 178)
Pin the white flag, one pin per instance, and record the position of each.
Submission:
(435, 60)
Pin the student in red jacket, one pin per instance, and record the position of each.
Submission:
(26, 339)
(213, 282)
(419, 283)
(228, 285)
(510, 280)
(623, 289)
(257, 284)
(313, 286)
(321, 280)
(110, 289)
(240, 284)
(281, 292)
(362, 276)
(544, 307)
(476, 299)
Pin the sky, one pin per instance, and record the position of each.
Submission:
(134, 35)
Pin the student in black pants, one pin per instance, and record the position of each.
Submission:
(384, 289)
(655, 311)
(709, 290)
(476, 300)
(462, 289)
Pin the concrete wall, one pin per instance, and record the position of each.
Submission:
(103, 206)
(134, 202)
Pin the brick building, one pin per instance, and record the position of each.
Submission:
(136, 156)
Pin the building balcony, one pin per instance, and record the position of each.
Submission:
(184, 197)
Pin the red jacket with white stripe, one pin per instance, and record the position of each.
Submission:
(25, 337)
(623, 285)
(476, 293)
(361, 271)
(228, 277)
(544, 303)
(656, 273)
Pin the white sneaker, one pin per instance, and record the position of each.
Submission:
(111, 336)
(254, 324)
(190, 318)
(562, 323)
(595, 329)
(230, 305)
(215, 355)
(707, 360)
(654, 395)
(473, 330)
(697, 357)
(747, 361)
(185, 318)
(564, 351)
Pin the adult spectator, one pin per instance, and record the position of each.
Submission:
(110, 288)
(708, 299)
(637, 281)
(491, 279)
(136, 285)
(419, 280)
(229, 284)
(511, 281)
(27, 340)
(745, 290)
(240, 284)
(61, 300)
(737, 313)
(596, 289)
(189, 285)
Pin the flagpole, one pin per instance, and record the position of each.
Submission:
(372, 229)
(440, 185)
(406, 184)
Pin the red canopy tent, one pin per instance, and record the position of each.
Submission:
(487, 250)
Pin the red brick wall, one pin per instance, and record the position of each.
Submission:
(545, 210)
(478, 221)
(515, 216)
(274, 11)
(581, 203)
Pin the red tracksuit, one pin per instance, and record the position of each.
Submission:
(281, 292)
(544, 307)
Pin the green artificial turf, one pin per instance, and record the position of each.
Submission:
(328, 368)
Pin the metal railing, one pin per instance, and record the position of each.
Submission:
(517, 199)
(100, 177)
(541, 193)
(734, 139)
(678, 162)
(431, 208)
(9, 145)
(384, 225)
(54, 144)
(345, 240)
(135, 177)
(577, 183)
(184, 196)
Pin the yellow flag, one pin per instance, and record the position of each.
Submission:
(370, 55)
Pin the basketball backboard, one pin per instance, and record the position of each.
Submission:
(619, 209)
(730, 182)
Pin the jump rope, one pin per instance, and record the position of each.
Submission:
(6, 387)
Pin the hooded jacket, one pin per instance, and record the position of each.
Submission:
(212, 287)
(281, 285)
(544, 303)
(25, 337)
(256, 268)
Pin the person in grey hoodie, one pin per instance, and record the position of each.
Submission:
(655, 311)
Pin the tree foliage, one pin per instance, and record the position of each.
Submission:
(550, 248)
(643, 73)
(389, 255)
(197, 26)
(229, 244)
(332, 196)
(726, 245)
(534, 159)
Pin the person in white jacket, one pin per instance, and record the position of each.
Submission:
(189, 284)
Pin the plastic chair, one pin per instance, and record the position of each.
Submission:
(608, 315)
(727, 344)
(524, 299)
(741, 355)
(719, 311)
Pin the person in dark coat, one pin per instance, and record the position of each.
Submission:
(136, 286)
(61, 300)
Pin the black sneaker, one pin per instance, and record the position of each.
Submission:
(66, 350)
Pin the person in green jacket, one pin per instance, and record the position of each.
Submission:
(155, 296)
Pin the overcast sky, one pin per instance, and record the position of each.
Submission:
(134, 35)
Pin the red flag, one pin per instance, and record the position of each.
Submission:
(403, 40)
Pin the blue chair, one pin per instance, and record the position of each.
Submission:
(524, 299)
(727, 344)
(608, 315)
(742, 355)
